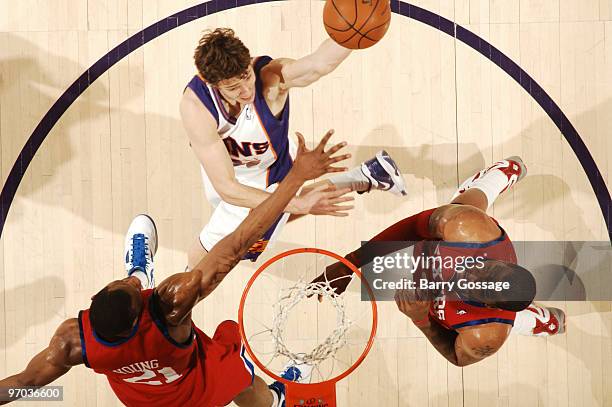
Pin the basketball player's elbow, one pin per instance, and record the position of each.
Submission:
(227, 194)
(462, 358)
(232, 192)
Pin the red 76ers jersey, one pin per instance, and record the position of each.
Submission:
(452, 313)
(148, 367)
(448, 309)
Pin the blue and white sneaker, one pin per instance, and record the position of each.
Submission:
(294, 373)
(140, 247)
(382, 173)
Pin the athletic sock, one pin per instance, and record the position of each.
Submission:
(492, 184)
(353, 179)
(492, 181)
(141, 275)
(524, 323)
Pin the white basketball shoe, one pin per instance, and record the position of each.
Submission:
(140, 247)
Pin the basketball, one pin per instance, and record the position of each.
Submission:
(356, 24)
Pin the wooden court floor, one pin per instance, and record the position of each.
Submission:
(441, 109)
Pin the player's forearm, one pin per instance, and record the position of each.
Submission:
(16, 381)
(329, 56)
(263, 216)
(242, 195)
(228, 252)
(311, 68)
(409, 230)
(12, 382)
(248, 197)
(442, 339)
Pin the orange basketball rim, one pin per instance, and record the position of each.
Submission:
(321, 394)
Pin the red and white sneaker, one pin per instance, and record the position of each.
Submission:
(512, 167)
(549, 321)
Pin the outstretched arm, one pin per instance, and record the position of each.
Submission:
(63, 352)
(400, 235)
(180, 292)
(291, 73)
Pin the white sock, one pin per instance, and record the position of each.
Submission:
(491, 183)
(524, 323)
(142, 276)
(275, 400)
(353, 179)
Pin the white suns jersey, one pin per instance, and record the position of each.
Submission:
(256, 140)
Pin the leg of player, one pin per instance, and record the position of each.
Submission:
(483, 188)
(140, 247)
(536, 320)
(469, 222)
(380, 172)
(258, 395)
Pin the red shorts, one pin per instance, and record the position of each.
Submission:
(227, 370)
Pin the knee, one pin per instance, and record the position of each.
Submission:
(464, 223)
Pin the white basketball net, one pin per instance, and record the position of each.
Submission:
(288, 299)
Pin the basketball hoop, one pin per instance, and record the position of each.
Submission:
(323, 392)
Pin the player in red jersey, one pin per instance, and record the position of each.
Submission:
(465, 325)
(144, 340)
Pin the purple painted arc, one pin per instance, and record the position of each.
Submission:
(211, 7)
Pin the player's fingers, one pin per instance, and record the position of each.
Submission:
(339, 208)
(324, 140)
(405, 297)
(335, 148)
(398, 299)
(335, 169)
(319, 279)
(301, 142)
(335, 214)
(336, 159)
(319, 188)
(339, 213)
(331, 188)
(341, 199)
(336, 193)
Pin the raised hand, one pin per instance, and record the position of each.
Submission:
(324, 200)
(408, 303)
(338, 275)
(311, 164)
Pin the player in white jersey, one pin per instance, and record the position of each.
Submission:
(236, 113)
